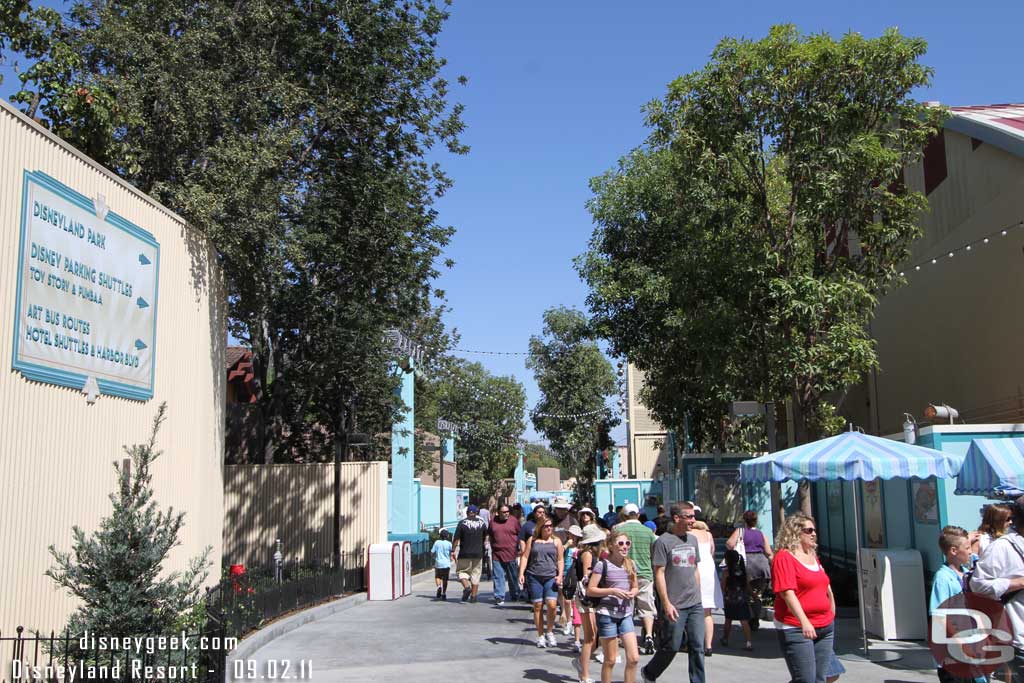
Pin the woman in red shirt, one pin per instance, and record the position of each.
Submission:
(805, 608)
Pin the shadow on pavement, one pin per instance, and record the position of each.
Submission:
(542, 675)
(495, 640)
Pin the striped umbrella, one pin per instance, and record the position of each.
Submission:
(992, 464)
(850, 456)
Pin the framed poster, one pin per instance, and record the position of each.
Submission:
(719, 496)
(925, 499)
(834, 491)
(874, 516)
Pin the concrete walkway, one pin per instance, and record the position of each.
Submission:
(416, 639)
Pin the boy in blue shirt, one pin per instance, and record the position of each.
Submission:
(955, 545)
(442, 551)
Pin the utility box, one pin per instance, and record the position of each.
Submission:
(892, 583)
(385, 569)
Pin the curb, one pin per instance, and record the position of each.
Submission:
(265, 635)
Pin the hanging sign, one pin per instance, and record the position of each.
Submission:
(85, 315)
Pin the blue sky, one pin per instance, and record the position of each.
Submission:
(554, 98)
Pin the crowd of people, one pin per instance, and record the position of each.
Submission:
(616, 585)
(620, 585)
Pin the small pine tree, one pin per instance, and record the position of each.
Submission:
(116, 572)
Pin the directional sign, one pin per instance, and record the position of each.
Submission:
(87, 293)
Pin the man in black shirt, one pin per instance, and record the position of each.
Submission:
(468, 547)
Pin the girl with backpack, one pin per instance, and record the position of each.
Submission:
(736, 592)
(615, 582)
(590, 548)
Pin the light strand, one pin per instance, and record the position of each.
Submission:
(493, 353)
(966, 248)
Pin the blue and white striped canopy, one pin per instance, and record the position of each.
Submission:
(848, 456)
(991, 464)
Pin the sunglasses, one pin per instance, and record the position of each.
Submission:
(809, 531)
(547, 526)
(623, 544)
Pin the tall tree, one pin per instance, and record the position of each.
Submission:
(740, 253)
(490, 413)
(294, 135)
(575, 380)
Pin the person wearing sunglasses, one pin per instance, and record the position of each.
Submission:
(614, 581)
(676, 556)
(541, 574)
(805, 608)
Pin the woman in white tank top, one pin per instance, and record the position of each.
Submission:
(710, 588)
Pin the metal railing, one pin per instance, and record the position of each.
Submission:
(261, 594)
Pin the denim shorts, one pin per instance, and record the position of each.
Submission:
(613, 627)
(541, 588)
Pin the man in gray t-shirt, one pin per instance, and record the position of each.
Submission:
(675, 556)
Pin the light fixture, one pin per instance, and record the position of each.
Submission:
(941, 412)
(909, 429)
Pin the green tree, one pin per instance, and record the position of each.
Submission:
(490, 411)
(537, 455)
(294, 135)
(117, 571)
(575, 380)
(740, 253)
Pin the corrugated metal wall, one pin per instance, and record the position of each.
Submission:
(55, 449)
(295, 503)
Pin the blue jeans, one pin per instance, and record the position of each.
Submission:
(687, 628)
(807, 660)
(506, 579)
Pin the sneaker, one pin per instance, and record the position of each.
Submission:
(465, 594)
(577, 646)
(552, 641)
(643, 676)
(648, 645)
(567, 629)
(749, 647)
(542, 642)
(438, 595)
(618, 658)
(599, 657)
(499, 601)
(472, 598)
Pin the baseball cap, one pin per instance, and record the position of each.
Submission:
(472, 508)
(630, 509)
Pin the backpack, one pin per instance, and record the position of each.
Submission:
(969, 575)
(585, 599)
(570, 584)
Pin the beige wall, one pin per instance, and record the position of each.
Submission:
(647, 437)
(295, 503)
(56, 450)
(549, 479)
(953, 333)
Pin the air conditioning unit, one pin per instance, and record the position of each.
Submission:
(892, 583)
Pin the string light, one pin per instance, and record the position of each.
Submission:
(966, 247)
(569, 416)
(493, 353)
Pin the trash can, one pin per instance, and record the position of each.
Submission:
(385, 571)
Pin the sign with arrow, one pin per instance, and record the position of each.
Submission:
(85, 315)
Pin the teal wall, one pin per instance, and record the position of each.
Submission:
(617, 491)
(428, 507)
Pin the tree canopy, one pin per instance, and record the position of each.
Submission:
(740, 252)
(294, 136)
(490, 412)
(575, 380)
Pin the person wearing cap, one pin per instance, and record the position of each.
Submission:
(468, 548)
(503, 533)
(563, 519)
(676, 556)
(641, 540)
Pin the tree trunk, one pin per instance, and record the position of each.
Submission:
(800, 434)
